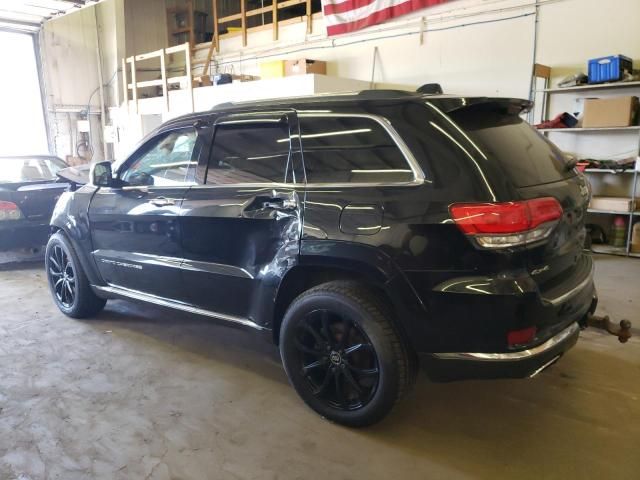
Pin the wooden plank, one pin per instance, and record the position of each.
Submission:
(275, 20)
(542, 71)
(178, 48)
(258, 11)
(243, 12)
(146, 83)
(290, 3)
(179, 79)
(189, 76)
(309, 27)
(230, 18)
(146, 56)
(216, 28)
(125, 90)
(133, 81)
(192, 38)
(205, 70)
(165, 87)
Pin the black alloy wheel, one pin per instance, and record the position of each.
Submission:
(62, 276)
(337, 359)
(68, 283)
(343, 354)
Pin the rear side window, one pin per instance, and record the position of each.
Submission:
(524, 155)
(249, 152)
(351, 150)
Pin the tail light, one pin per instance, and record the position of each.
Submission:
(507, 224)
(9, 211)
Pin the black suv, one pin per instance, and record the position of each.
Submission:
(364, 234)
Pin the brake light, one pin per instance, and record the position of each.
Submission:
(9, 211)
(507, 224)
(521, 337)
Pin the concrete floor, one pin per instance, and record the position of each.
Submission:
(144, 392)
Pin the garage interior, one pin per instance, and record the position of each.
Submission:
(146, 392)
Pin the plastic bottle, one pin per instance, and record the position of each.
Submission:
(635, 238)
(618, 232)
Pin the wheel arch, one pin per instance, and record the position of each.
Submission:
(360, 263)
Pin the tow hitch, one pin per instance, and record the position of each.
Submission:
(622, 331)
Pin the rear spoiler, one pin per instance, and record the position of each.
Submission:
(506, 106)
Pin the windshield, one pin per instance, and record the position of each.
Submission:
(29, 169)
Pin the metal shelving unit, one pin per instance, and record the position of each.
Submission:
(608, 249)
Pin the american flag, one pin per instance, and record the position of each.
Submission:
(344, 16)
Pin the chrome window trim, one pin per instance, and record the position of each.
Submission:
(574, 291)
(513, 356)
(165, 302)
(418, 174)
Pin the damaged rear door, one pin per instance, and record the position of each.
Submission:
(241, 227)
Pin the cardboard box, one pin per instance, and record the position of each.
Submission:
(273, 69)
(614, 204)
(303, 66)
(609, 112)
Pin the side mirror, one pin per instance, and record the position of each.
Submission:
(101, 174)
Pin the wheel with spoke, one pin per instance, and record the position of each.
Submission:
(342, 353)
(68, 283)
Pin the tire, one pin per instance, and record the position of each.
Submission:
(68, 283)
(334, 372)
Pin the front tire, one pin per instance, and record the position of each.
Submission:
(343, 354)
(68, 283)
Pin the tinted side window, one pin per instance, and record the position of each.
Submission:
(249, 153)
(351, 150)
(170, 159)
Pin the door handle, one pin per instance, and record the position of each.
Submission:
(280, 204)
(162, 202)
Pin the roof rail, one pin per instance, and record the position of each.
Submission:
(385, 93)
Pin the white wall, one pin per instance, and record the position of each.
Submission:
(70, 68)
(469, 47)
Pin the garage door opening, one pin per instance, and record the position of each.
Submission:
(22, 125)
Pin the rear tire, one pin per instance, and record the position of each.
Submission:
(68, 283)
(343, 354)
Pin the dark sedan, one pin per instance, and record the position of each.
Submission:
(29, 190)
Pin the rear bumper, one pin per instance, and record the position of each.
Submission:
(515, 364)
(23, 234)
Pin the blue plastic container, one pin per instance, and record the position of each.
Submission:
(609, 69)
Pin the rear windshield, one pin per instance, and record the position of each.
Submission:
(19, 170)
(524, 155)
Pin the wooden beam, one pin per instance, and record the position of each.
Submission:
(189, 76)
(146, 83)
(216, 22)
(230, 18)
(205, 70)
(178, 48)
(133, 81)
(146, 56)
(125, 90)
(165, 89)
(258, 11)
(275, 19)
(309, 27)
(244, 22)
(290, 3)
(192, 35)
